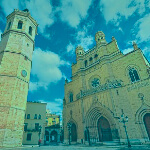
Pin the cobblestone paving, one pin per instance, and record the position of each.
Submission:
(79, 147)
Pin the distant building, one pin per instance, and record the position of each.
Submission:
(107, 86)
(34, 120)
(52, 119)
(52, 130)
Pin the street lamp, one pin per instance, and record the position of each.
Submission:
(69, 131)
(124, 119)
(39, 134)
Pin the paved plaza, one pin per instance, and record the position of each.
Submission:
(79, 147)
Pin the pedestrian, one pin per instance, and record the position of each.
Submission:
(39, 142)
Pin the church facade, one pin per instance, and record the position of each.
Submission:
(107, 87)
(16, 48)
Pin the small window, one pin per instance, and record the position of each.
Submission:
(25, 116)
(39, 116)
(90, 59)
(20, 25)
(28, 116)
(95, 56)
(25, 126)
(71, 97)
(35, 116)
(85, 63)
(36, 126)
(9, 24)
(30, 30)
(29, 137)
(133, 75)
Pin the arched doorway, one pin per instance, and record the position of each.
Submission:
(53, 136)
(104, 130)
(73, 133)
(147, 123)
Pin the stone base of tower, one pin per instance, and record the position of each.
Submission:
(11, 126)
(10, 138)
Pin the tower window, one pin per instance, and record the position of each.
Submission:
(71, 97)
(30, 30)
(9, 26)
(20, 25)
(133, 75)
(90, 59)
(85, 63)
(95, 56)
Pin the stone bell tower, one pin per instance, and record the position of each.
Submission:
(16, 48)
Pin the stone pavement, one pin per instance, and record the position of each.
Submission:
(79, 147)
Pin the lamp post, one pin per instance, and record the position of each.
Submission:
(69, 131)
(124, 119)
(39, 135)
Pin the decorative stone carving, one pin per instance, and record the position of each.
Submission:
(106, 86)
(141, 96)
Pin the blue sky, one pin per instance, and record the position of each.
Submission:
(64, 24)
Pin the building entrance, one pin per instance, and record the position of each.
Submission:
(147, 123)
(104, 130)
(53, 136)
(73, 133)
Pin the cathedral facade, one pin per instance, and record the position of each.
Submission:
(16, 48)
(107, 88)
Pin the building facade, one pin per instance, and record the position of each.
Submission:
(16, 48)
(107, 85)
(34, 124)
(52, 130)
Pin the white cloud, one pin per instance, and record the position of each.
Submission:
(0, 34)
(9, 5)
(70, 48)
(146, 52)
(143, 28)
(40, 10)
(46, 67)
(113, 10)
(54, 106)
(127, 50)
(72, 11)
(83, 39)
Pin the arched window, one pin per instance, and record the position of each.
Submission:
(30, 30)
(9, 26)
(85, 63)
(20, 25)
(95, 56)
(71, 97)
(133, 75)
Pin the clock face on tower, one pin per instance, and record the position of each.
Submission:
(23, 73)
(95, 82)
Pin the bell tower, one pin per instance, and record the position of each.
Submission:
(16, 48)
